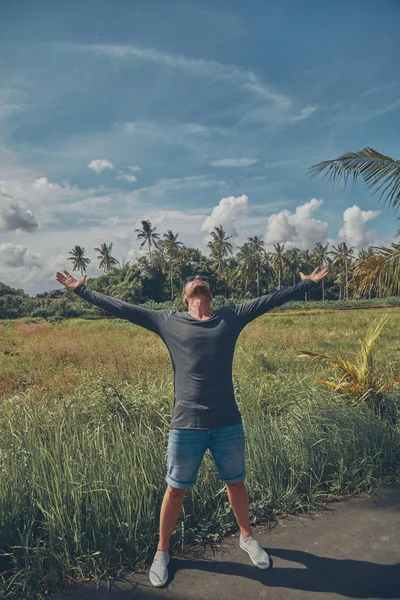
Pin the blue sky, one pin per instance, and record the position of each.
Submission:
(191, 114)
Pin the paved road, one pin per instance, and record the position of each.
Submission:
(351, 549)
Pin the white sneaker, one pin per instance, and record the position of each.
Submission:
(258, 556)
(158, 570)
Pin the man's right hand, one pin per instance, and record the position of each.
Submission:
(68, 281)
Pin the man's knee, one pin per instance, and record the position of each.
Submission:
(235, 485)
(176, 492)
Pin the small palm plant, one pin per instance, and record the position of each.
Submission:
(359, 381)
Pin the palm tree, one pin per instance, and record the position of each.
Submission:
(78, 259)
(279, 260)
(147, 235)
(362, 254)
(172, 246)
(230, 274)
(339, 282)
(358, 381)
(219, 246)
(380, 271)
(380, 172)
(106, 260)
(293, 259)
(306, 262)
(257, 248)
(267, 269)
(342, 255)
(246, 261)
(321, 256)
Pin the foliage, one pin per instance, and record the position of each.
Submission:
(158, 276)
(106, 260)
(380, 272)
(219, 247)
(83, 440)
(148, 235)
(379, 172)
(79, 261)
(359, 381)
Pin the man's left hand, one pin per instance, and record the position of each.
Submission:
(315, 275)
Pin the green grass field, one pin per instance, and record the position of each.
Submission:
(84, 415)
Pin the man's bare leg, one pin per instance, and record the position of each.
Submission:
(170, 509)
(239, 502)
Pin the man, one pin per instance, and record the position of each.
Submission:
(205, 415)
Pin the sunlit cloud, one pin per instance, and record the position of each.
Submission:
(100, 164)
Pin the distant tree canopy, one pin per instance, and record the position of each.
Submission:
(158, 276)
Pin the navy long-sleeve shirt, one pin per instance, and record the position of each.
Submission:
(201, 351)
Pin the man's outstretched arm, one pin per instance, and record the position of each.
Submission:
(257, 307)
(149, 319)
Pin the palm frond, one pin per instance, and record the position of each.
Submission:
(358, 381)
(380, 173)
(380, 272)
(365, 356)
(397, 234)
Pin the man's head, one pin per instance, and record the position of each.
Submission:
(196, 286)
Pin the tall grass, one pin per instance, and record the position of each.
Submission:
(82, 467)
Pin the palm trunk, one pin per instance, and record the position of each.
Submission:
(323, 291)
(347, 284)
(172, 284)
(258, 281)
(279, 279)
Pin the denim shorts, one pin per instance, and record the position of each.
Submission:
(186, 449)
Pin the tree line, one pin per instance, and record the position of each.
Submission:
(249, 272)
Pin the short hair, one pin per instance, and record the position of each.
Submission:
(185, 284)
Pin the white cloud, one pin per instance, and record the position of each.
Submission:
(379, 88)
(296, 229)
(15, 216)
(100, 164)
(133, 254)
(280, 163)
(235, 75)
(42, 184)
(178, 216)
(377, 112)
(135, 168)
(10, 102)
(127, 177)
(167, 132)
(354, 231)
(186, 223)
(305, 113)
(254, 85)
(16, 256)
(163, 187)
(234, 162)
(226, 213)
(353, 112)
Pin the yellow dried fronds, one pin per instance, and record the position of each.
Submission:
(359, 380)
